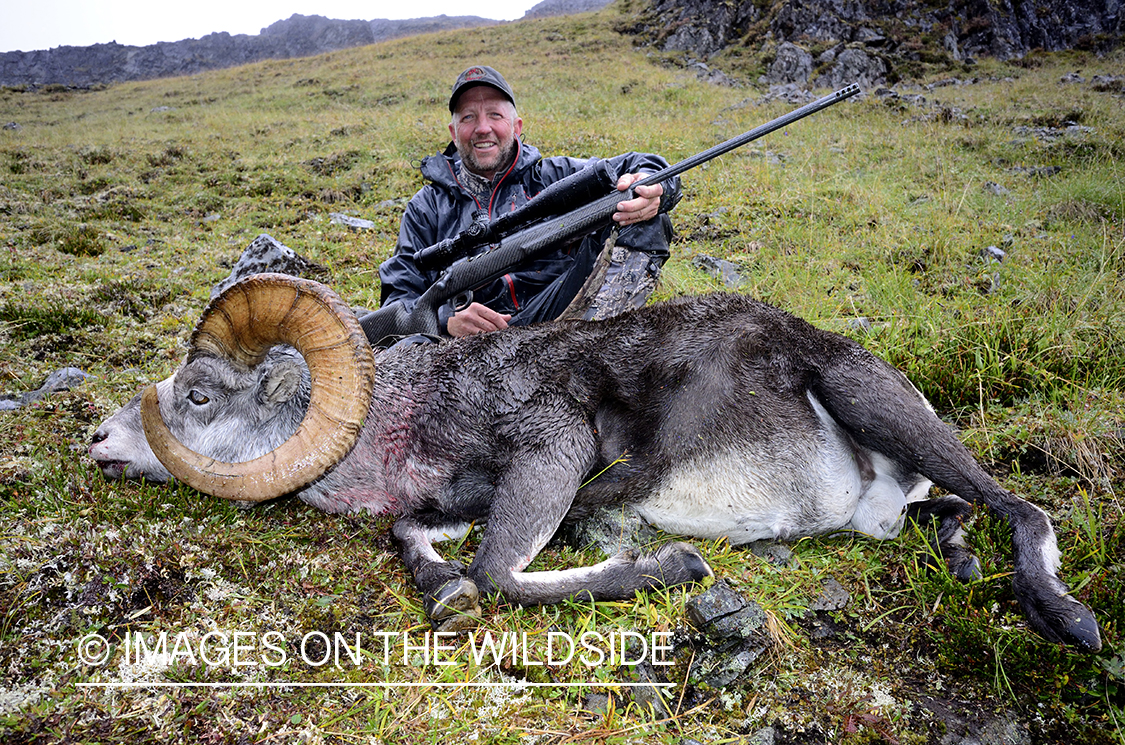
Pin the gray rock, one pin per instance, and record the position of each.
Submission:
(993, 254)
(647, 694)
(734, 635)
(1036, 171)
(764, 736)
(11, 404)
(828, 56)
(832, 596)
(789, 93)
(1004, 29)
(721, 269)
(860, 324)
(1052, 134)
(63, 379)
(338, 218)
(265, 254)
(12, 127)
(965, 726)
(596, 703)
(389, 203)
(1108, 83)
(775, 553)
(949, 42)
(701, 28)
(854, 66)
(869, 37)
(611, 530)
(791, 65)
(994, 188)
(723, 614)
(720, 669)
(715, 77)
(821, 20)
(943, 83)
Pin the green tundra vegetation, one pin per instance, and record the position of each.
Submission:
(120, 208)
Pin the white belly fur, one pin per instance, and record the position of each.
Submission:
(800, 484)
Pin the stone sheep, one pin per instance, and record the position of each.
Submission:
(715, 417)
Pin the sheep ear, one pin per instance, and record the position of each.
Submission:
(281, 383)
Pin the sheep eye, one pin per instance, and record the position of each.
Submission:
(197, 398)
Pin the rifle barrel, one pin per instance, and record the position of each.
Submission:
(760, 131)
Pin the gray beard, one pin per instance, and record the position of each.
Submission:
(469, 159)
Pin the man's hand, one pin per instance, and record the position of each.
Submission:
(644, 207)
(476, 319)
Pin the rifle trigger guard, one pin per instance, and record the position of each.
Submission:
(462, 300)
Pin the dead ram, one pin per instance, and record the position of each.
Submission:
(717, 417)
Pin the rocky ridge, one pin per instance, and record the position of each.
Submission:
(296, 36)
(826, 43)
(813, 43)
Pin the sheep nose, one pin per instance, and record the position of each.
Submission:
(99, 436)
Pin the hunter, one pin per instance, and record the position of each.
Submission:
(488, 168)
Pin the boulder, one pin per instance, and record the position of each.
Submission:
(265, 254)
(791, 65)
(700, 27)
(721, 269)
(60, 380)
(854, 66)
(733, 634)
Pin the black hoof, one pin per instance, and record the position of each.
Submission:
(1058, 616)
(681, 563)
(967, 569)
(961, 563)
(454, 606)
(1080, 629)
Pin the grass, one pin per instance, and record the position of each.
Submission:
(120, 208)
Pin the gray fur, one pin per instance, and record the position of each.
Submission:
(712, 416)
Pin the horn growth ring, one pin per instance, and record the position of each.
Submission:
(241, 325)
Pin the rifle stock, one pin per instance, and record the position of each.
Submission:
(526, 242)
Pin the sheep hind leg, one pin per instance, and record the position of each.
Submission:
(450, 598)
(886, 414)
(947, 516)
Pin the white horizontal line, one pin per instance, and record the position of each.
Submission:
(596, 684)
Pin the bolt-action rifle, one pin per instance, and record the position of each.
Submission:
(567, 209)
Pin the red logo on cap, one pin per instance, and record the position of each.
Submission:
(474, 74)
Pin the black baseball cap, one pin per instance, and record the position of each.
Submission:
(479, 75)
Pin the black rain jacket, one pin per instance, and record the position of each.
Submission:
(442, 208)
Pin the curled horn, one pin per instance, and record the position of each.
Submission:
(241, 325)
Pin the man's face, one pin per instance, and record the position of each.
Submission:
(484, 130)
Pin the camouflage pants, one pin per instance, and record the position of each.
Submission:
(621, 280)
